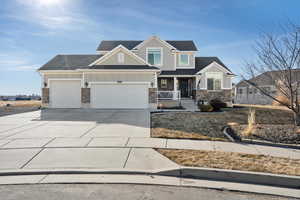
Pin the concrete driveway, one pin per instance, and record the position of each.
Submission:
(59, 139)
(75, 123)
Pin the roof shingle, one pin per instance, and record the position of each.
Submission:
(181, 45)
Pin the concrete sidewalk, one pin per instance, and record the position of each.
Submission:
(144, 142)
(84, 158)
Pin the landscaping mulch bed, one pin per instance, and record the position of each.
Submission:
(281, 133)
(233, 161)
(275, 125)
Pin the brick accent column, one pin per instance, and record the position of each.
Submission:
(152, 95)
(85, 95)
(45, 95)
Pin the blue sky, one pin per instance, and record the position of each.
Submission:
(33, 31)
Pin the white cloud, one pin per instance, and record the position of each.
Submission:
(24, 68)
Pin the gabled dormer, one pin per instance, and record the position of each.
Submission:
(168, 55)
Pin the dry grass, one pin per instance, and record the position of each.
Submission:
(233, 161)
(21, 103)
(275, 107)
(174, 134)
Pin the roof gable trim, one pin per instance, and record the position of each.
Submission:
(115, 50)
(214, 64)
(156, 38)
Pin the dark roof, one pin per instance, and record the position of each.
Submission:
(181, 45)
(268, 78)
(70, 62)
(107, 45)
(116, 67)
(200, 63)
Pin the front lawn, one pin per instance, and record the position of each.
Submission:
(233, 161)
(275, 124)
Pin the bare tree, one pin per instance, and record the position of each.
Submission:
(278, 58)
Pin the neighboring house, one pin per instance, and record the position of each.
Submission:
(134, 74)
(247, 94)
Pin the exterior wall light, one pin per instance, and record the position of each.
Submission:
(45, 84)
(86, 84)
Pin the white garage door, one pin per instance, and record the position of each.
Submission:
(123, 95)
(65, 94)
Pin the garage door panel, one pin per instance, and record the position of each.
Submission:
(119, 96)
(65, 94)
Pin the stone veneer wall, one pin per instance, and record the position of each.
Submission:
(205, 95)
(152, 95)
(45, 95)
(85, 95)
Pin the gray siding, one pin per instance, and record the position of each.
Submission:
(115, 76)
(168, 56)
(253, 98)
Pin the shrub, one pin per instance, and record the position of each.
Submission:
(205, 108)
(217, 104)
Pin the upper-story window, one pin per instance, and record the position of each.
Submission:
(120, 57)
(214, 80)
(154, 56)
(184, 59)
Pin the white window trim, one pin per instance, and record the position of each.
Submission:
(207, 78)
(161, 54)
(180, 64)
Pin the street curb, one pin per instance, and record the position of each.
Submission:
(271, 144)
(241, 177)
(182, 172)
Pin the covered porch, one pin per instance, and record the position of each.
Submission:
(176, 87)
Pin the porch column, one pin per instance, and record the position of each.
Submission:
(175, 84)
(175, 96)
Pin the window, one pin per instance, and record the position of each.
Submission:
(240, 91)
(154, 56)
(120, 57)
(183, 59)
(164, 83)
(214, 80)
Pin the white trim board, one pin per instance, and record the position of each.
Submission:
(64, 79)
(115, 50)
(156, 38)
(214, 64)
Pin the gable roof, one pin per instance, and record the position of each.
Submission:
(181, 45)
(200, 63)
(74, 62)
(70, 62)
(117, 49)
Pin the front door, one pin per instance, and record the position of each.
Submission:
(184, 87)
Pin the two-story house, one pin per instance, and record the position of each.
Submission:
(133, 74)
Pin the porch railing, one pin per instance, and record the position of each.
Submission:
(168, 95)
